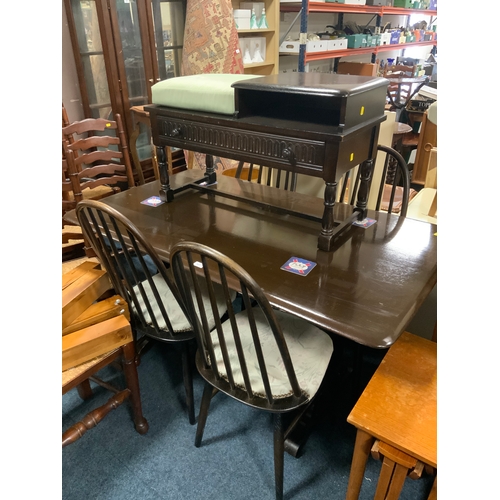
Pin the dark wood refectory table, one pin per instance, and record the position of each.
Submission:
(311, 123)
(366, 289)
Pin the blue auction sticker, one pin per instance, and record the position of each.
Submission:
(153, 201)
(298, 266)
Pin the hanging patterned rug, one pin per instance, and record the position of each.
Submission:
(211, 45)
(211, 42)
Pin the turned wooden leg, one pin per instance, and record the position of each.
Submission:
(130, 371)
(366, 170)
(84, 389)
(90, 420)
(327, 223)
(210, 169)
(362, 448)
(166, 193)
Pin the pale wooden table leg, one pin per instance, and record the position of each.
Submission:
(362, 448)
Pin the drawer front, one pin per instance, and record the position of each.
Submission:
(272, 150)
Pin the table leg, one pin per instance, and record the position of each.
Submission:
(362, 448)
(133, 150)
(166, 193)
(366, 171)
(210, 173)
(327, 223)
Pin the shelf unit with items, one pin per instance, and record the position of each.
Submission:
(379, 11)
(259, 41)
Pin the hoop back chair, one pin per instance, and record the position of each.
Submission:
(141, 278)
(391, 197)
(264, 358)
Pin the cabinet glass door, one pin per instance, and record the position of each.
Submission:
(168, 18)
(122, 48)
(86, 35)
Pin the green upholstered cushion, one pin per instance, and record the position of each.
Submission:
(207, 92)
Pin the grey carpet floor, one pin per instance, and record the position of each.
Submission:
(235, 461)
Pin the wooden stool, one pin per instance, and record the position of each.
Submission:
(397, 408)
(96, 333)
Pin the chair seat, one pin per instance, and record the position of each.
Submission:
(174, 311)
(310, 350)
(94, 193)
(73, 373)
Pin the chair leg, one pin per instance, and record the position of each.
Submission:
(202, 416)
(130, 371)
(279, 452)
(84, 389)
(384, 479)
(187, 370)
(397, 482)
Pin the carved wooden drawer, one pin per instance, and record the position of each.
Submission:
(243, 144)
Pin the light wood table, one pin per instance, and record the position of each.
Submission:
(398, 407)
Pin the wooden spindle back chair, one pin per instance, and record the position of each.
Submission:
(139, 275)
(262, 357)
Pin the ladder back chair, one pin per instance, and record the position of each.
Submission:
(391, 196)
(142, 279)
(96, 164)
(99, 157)
(262, 357)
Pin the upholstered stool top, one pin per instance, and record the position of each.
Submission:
(207, 92)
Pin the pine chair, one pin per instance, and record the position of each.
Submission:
(139, 275)
(264, 358)
(96, 334)
(391, 197)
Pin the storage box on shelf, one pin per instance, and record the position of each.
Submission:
(259, 42)
(242, 18)
(253, 49)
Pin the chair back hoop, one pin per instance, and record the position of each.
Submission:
(395, 171)
(132, 263)
(270, 176)
(189, 261)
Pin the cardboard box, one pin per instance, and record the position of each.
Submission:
(290, 47)
(395, 36)
(385, 39)
(356, 41)
(242, 18)
(355, 68)
(253, 49)
(336, 44)
(316, 46)
(348, 2)
(257, 6)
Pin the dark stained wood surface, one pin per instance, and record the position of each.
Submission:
(367, 289)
